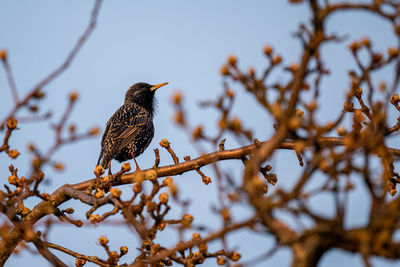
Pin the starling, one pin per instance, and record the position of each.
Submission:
(130, 130)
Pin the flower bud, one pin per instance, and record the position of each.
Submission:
(137, 188)
(235, 256)
(12, 123)
(73, 96)
(99, 170)
(163, 197)
(221, 260)
(126, 167)
(13, 153)
(3, 54)
(94, 131)
(206, 180)
(99, 193)
(123, 250)
(102, 240)
(94, 218)
(187, 220)
(80, 262)
(164, 143)
(267, 50)
(115, 192)
(232, 60)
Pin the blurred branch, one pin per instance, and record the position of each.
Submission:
(58, 71)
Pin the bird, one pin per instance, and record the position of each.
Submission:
(130, 129)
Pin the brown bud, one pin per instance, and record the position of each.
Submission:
(31, 147)
(99, 170)
(232, 60)
(187, 220)
(394, 99)
(99, 193)
(221, 260)
(197, 132)
(46, 196)
(168, 181)
(72, 128)
(114, 255)
(196, 236)
(235, 256)
(377, 58)
(80, 262)
(126, 167)
(312, 105)
(179, 118)
(33, 108)
(3, 54)
(236, 124)
(94, 131)
(226, 214)
(341, 130)
(69, 210)
(267, 50)
(13, 153)
(73, 96)
(13, 179)
(163, 197)
(358, 116)
(58, 166)
(151, 206)
(294, 67)
(115, 192)
(365, 41)
(173, 190)
(164, 143)
(223, 124)
(94, 218)
(12, 123)
(40, 176)
(276, 60)
(123, 250)
(206, 180)
(393, 52)
(102, 240)
(137, 188)
(252, 72)
(224, 70)
(354, 46)
(177, 98)
(229, 93)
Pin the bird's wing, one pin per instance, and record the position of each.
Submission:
(126, 124)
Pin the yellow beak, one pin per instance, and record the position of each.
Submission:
(155, 87)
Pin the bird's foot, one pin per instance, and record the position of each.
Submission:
(137, 165)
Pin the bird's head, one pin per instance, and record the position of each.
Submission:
(143, 94)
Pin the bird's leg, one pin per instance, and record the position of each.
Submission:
(137, 166)
(109, 169)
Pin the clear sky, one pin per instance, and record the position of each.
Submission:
(180, 42)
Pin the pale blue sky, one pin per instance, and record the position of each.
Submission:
(180, 42)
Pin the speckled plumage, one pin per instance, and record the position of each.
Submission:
(130, 130)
